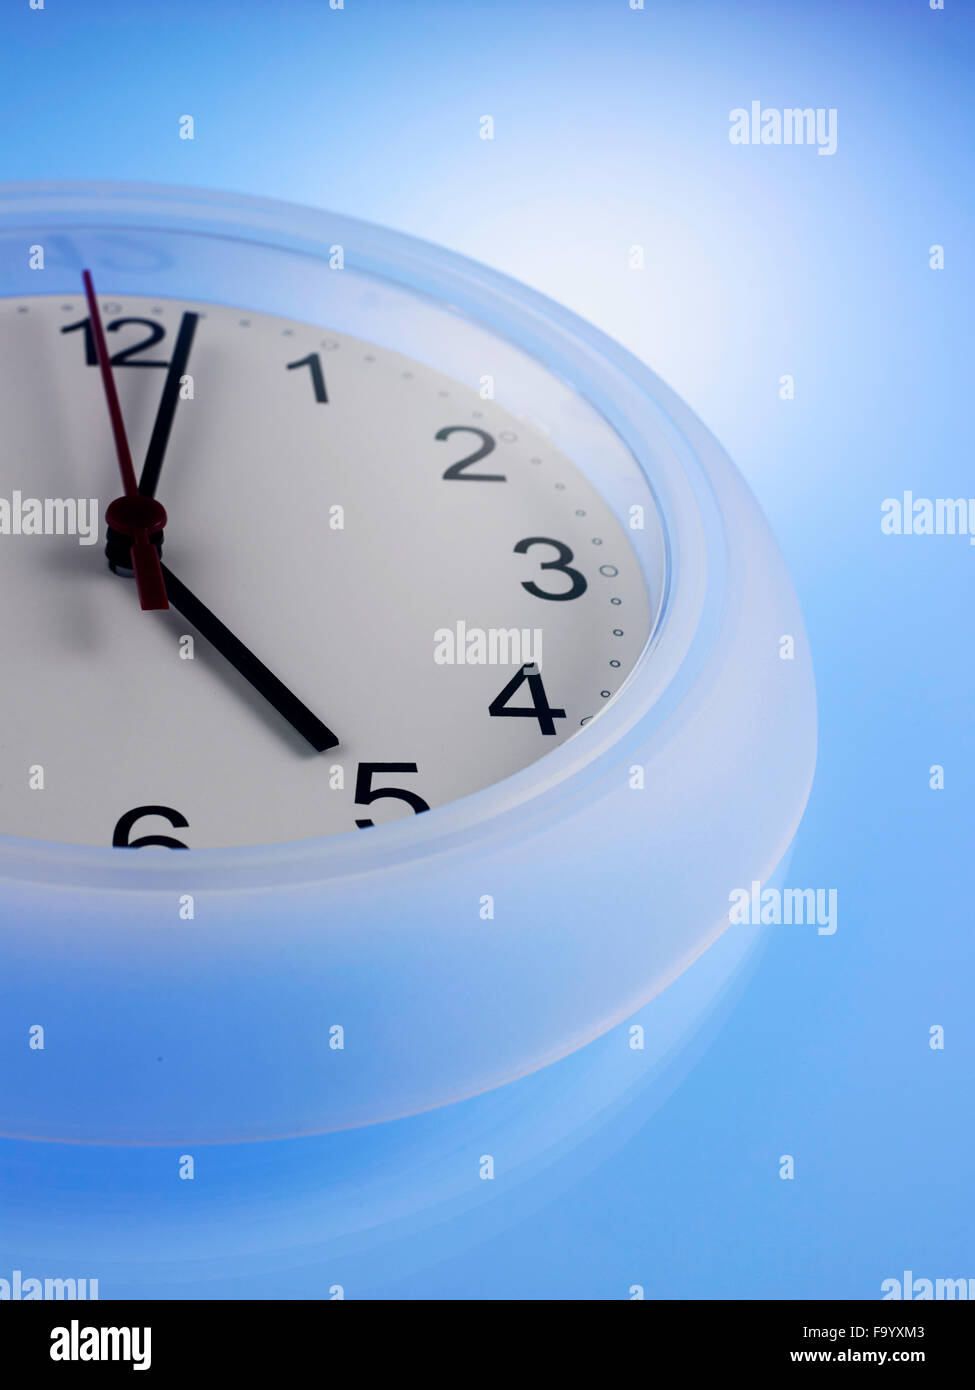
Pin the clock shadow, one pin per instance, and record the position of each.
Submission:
(78, 616)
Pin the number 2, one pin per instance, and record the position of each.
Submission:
(456, 472)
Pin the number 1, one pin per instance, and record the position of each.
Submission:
(314, 363)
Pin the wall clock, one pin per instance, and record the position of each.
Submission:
(481, 686)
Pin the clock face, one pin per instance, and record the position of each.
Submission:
(421, 572)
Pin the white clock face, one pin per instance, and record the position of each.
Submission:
(432, 582)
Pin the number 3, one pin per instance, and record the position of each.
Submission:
(579, 584)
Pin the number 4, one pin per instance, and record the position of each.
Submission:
(540, 707)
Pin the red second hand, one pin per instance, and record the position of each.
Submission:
(132, 514)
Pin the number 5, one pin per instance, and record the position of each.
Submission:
(365, 793)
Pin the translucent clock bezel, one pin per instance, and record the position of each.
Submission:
(609, 860)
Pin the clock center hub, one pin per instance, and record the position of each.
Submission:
(130, 515)
(126, 517)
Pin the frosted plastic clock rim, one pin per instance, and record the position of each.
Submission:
(621, 387)
(217, 1029)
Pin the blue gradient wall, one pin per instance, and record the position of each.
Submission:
(611, 130)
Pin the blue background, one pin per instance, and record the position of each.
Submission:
(611, 129)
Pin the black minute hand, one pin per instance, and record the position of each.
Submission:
(299, 716)
(168, 401)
